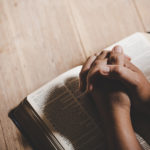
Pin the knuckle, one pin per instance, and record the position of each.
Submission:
(96, 62)
(104, 52)
(91, 57)
(97, 54)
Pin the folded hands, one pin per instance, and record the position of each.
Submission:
(115, 84)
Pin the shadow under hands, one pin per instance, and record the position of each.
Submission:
(64, 112)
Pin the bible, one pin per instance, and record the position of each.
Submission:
(58, 116)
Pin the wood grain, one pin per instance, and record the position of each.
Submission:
(101, 23)
(2, 141)
(37, 42)
(143, 9)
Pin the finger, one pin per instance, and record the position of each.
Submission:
(103, 55)
(116, 56)
(131, 66)
(116, 59)
(101, 58)
(91, 73)
(123, 74)
(84, 72)
(128, 57)
(100, 69)
(126, 60)
(97, 66)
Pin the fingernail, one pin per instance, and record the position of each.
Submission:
(106, 69)
(118, 49)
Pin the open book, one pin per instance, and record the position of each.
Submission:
(58, 116)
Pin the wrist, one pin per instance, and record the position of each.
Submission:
(120, 133)
(119, 106)
(117, 117)
(116, 106)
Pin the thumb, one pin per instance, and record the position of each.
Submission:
(116, 56)
(123, 74)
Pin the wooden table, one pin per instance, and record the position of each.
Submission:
(41, 39)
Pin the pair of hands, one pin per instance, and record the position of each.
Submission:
(115, 84)
(111, 75)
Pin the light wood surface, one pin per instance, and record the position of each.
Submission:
(143, 8)
(41, 39)
(101, 23)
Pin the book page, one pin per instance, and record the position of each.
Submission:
(134, 45)
(137, 46)
(70, 114)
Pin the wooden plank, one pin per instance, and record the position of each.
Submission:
(2, 141)
(38, 41)
(143, 7)
(13, 89)
(101, 23)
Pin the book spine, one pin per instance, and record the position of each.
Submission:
(33, 129)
